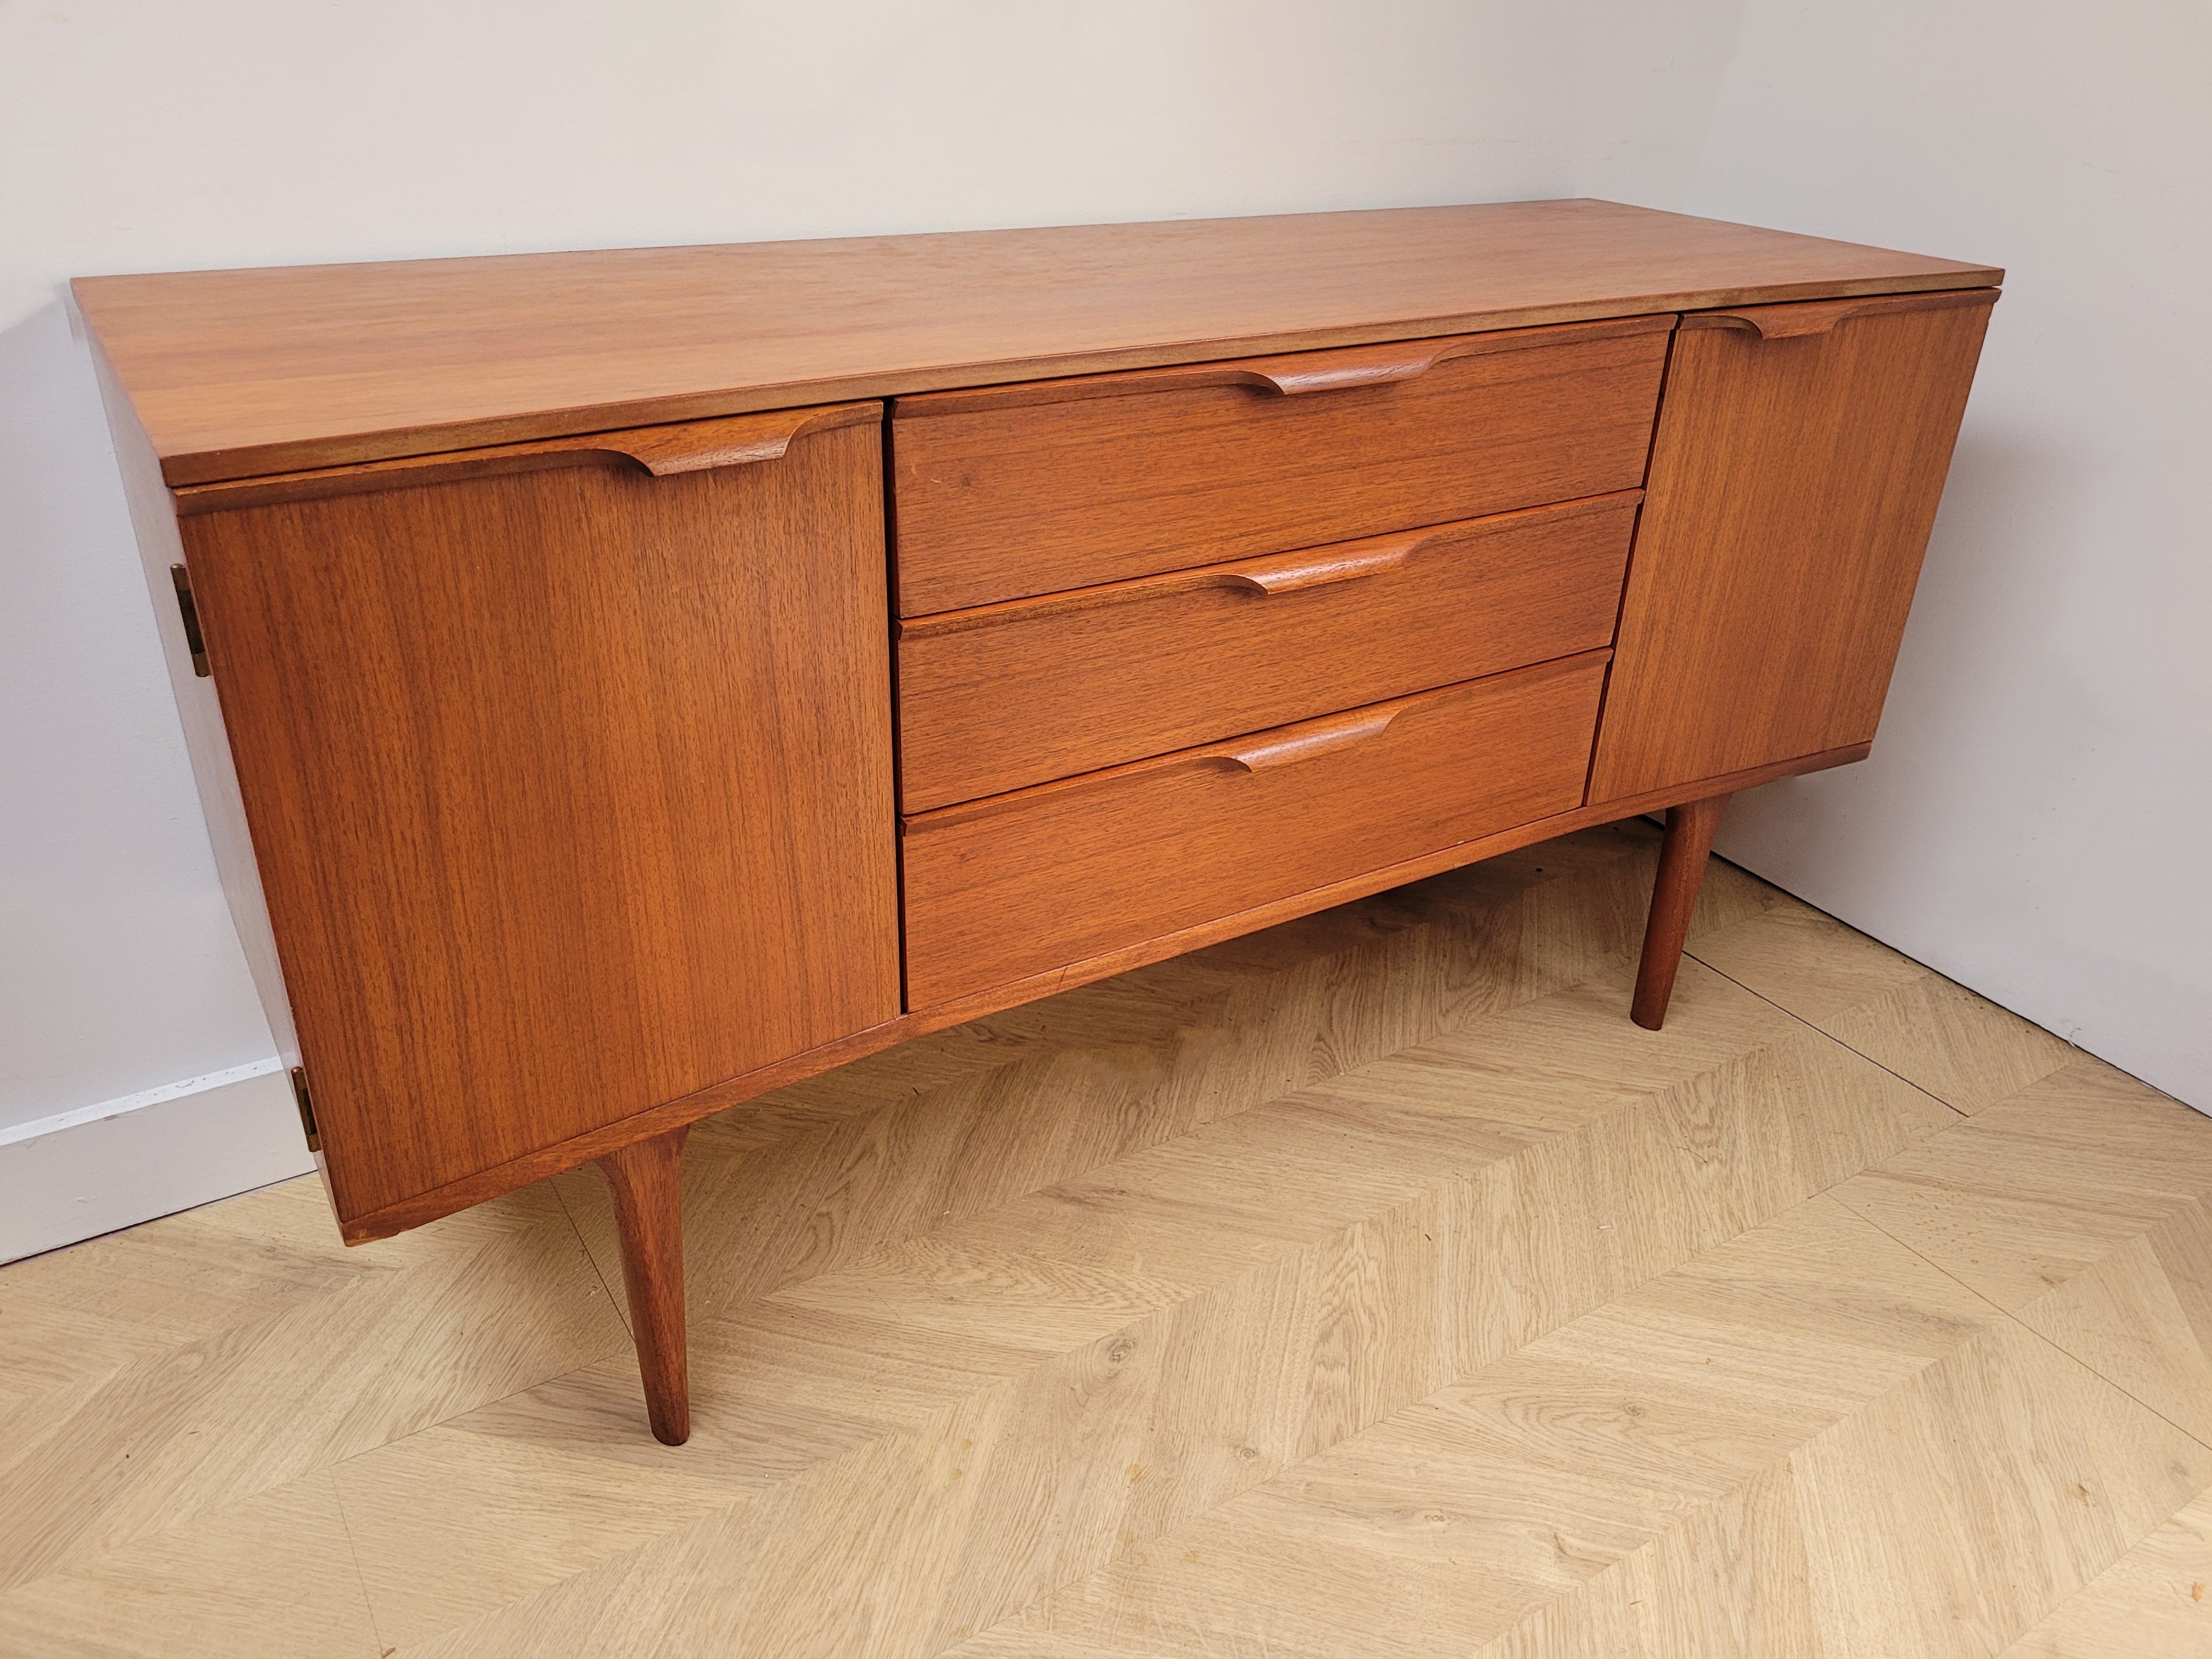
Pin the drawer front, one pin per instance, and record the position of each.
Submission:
(1010, 491)
(1024, 883)
(1006, 696)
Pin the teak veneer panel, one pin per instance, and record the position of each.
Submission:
(1176, 842)
(1801, 454)
(570, 787)
(1035, 489)
(1008, 696)
(235, 373)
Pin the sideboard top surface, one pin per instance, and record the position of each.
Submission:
(239, 373)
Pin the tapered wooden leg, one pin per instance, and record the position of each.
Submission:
(1682, 857)
(649, 1217)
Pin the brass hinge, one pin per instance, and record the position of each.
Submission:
(191, 612)
(306, 1105)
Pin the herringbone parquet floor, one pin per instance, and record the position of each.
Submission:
(1368, 1287)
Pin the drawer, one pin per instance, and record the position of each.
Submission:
(1020, 884)
(1008, 491)
(1006, 696)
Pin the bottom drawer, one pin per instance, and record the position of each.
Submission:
(1020, 884)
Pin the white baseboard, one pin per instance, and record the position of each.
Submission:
(82, 1173)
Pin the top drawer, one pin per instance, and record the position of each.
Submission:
(1008, 491)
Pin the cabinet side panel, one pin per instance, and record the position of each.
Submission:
(1793, 485)
(570, 789)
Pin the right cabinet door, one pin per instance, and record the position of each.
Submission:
(1799, 455)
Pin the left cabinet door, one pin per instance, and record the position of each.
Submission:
(567, 769)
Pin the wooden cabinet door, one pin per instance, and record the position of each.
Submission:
(567, 769)
(1799, 455)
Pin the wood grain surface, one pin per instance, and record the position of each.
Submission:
(1175, 841)
(1962, 1049)
(244, 372)
(1037, 488)
(2155, 1602)
(1793, 482)
(1369, 1286)
(570, 788)
(1006, 696)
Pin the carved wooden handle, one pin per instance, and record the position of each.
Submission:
(1312, 738)
(1792, 322)
(1291, 375)
(1286, 572)
(1272, 573)
(1341, 371)
(663, 451)
(1304, 373)
(1284, 745)
(1309, 739)
(1266, 574)
(701, 445)
(1785, 322)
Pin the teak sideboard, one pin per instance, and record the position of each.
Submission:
(622, 683)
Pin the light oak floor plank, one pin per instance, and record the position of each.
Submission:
(1962, 1048)
(1369, 1285)
(269, 1578)
(2155, 1602)
(304, 1353)
(2083, 1205)
(1753, 1456)
(1198, 1316)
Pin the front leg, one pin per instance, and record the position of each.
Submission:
(646, 1177)
(1682, 857)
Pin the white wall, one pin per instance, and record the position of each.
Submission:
(2032, 820)
(2001, 835)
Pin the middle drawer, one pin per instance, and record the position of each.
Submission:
(1006, 696)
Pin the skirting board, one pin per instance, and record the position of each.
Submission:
(111, 1167)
